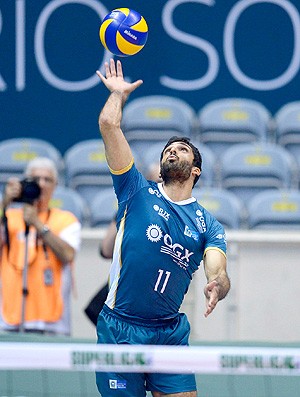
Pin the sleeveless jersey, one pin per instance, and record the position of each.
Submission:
(159, 245)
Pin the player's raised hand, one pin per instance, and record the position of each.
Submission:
(114, 79)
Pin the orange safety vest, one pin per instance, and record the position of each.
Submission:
(44, 301)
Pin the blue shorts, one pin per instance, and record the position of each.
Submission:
(113, 329)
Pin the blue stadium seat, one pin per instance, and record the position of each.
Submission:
(287, 122)
(224, 205)
(68, 199)
(229, 121)
(17, 152)
(103, 207)
(209, 165)
(86, 168)
(247, 169)
(155, 118)
(275, 209)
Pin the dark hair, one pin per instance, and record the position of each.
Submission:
(197, 162)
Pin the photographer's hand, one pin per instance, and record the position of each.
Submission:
(30, 215)
(12, 191)
(61, 249)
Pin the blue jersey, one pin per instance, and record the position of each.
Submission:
(159, 245)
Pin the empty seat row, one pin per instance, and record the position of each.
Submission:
(244, 169)
(269, 209)
(16, 153)
(219, 124)
(247, 169)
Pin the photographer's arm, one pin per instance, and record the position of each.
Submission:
(61, 249)
(2, 232)
(12, 190)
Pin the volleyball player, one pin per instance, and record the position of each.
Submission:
(163, 235)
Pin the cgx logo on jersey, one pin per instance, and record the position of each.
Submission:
(117, 384)
(179, 253)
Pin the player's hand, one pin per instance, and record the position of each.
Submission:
(211, 292)
(114, 80)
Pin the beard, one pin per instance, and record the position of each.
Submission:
(176, 171)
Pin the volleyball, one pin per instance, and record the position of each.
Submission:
(123, 32)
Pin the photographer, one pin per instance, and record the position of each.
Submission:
(37, 248)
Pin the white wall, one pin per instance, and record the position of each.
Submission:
(263, 304)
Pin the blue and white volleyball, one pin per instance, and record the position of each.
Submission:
(123, 32)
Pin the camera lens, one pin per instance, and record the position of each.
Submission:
(31, 190)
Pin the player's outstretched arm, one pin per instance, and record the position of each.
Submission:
(118, 152)
(218, 283)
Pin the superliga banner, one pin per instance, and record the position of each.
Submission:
(234, 360)
(197, 50)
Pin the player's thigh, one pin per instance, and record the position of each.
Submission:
(171, 384)
(184, 394)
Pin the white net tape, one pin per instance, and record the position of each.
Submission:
(137, 358)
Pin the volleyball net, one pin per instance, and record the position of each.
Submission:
(229, 360)
(48, 367)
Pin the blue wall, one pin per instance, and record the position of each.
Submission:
(197, 50)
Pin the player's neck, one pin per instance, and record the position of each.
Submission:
(178, 191)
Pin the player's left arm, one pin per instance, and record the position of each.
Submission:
(218, 283)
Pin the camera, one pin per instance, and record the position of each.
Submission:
(30, 191)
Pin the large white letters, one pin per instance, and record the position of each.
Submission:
(41, 60)
(20, 45)
(39, 40)
(210, 51)
(2, 82)
(229, 49)
(230, 55)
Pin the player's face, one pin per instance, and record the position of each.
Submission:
(177, 162)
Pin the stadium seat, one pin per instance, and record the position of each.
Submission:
(246, 169)
(68, 199)
(209, 163)
(156, 118)
(207, 178)
(86, 168)
(287, 122)
(273, 209)
(224, 205)
(103, 208)
(229, 121)
(17, 152)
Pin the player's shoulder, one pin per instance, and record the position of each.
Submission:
(207, 216)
